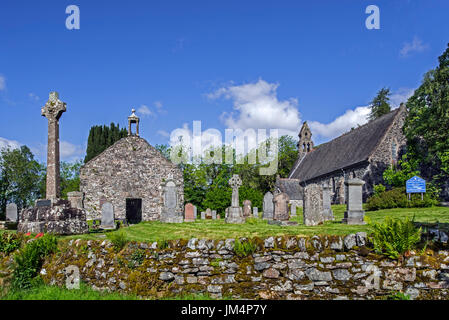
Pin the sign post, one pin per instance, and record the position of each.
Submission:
(416, 185)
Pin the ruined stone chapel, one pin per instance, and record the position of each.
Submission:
(139, 182)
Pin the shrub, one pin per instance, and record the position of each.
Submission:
(394, 237)
(136, 259)
(9, 242)
(379, 189)
(29, 259)
(244, 248)
(397, 296)
(397, 198)
(118, 240)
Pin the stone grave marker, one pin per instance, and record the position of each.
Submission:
(107, 216)
(354, 213)
(313, 205)
(268, 207)
(235, 212)
(214, 214)
(327, 209)
(203, 215)
(170, 212)
(189, 213)
(247, 208)
(255, 212)
(11, 212)
(281, 207)
(293, 209)
(208, 213)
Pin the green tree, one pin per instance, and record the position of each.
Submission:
(427, 123)
(102, 137)
(380, 104)
(20, 178)
(70, 177)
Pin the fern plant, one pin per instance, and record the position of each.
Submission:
(394, 237)
(244, 248)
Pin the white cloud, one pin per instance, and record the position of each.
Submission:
(258, 107)
(350, 119)
(5, 143)
(163, 133)
(2, 83)
(400, 96)
(145, 111)
(158, 104)
(415, 46)
(33, 96)
(70, 151)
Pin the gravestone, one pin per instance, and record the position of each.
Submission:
(354, 213)
(235, 212)
(203, 215)
(313, 205)
(281, 207)
(293, 209)
(327, 209)
(189, 213)
(208, 213)
(214, 214)
(195, 212)
(76, 199)
(255, 212)
(268, 207)
(170, 211)
(11, 213)
(218, 217)
(107, 216)
(247, 208)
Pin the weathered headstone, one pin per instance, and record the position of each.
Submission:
(170, 211)
(293, 209)
(53, 110)
(327, 209)
(214, 214)
(268, 207)
(208, 213)
(313, 205)
(218, 217)
(203, 215)
(281, 207)
(255, 212)
(195, 212)
(354, 213)
(189, 213)
(235, 212)
(107, 216)
(247, 208)
(76, 199)
(11, 212)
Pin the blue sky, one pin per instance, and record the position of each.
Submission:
(238, 64)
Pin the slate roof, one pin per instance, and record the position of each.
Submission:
(349, 149)
(290, 187)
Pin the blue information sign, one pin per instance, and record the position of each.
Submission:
(416, 185)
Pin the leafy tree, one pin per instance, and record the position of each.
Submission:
(396, 176)
(20, 178)
(380, 104)
(427, 123)
(102, 137)
(70, 177)
(163, 149)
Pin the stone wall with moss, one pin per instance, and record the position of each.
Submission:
(326, 267)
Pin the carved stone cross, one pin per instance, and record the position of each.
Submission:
(53, 110)
(235, 182)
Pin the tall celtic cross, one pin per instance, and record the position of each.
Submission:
(53, 110)
(235, 182)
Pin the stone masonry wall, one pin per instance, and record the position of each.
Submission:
(326, 267)
(131, 168)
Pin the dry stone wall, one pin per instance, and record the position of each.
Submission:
(326, 267)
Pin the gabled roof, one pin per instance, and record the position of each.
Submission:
(351, 148)
(290, 187)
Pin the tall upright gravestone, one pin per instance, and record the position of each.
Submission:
(247, 208)
(107, 216)
(235, 212)
(354, 213)
(327, 209)
(281, 207)
(189, 213)
(268, 207)
(11, 212)
(313, 205)
(171, 210)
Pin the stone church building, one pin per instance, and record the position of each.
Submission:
(133, 176)
(364, 153)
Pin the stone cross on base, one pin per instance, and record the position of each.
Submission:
(53, 110)
(235, 182)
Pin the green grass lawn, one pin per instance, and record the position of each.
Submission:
(218, 229)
